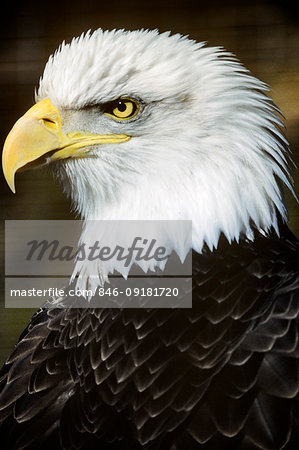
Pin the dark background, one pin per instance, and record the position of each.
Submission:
(263, 34)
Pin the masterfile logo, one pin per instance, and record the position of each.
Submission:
(97, 263)
(140, 249)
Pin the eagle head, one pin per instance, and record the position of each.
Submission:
(141, 125)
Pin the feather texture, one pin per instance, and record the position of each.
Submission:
(162, 378)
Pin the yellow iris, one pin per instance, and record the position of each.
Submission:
(122, 109)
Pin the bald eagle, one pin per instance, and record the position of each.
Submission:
(147, 126)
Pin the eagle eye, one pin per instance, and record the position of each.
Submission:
(122, 108)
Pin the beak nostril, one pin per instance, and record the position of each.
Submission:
(49, 123)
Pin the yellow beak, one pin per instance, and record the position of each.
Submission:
(37, 138)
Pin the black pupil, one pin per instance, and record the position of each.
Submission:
(122, 106)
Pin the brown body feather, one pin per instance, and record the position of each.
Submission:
(222, 375)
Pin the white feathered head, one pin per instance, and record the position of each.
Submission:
(142, 125)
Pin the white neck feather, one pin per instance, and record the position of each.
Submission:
(218, 194)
